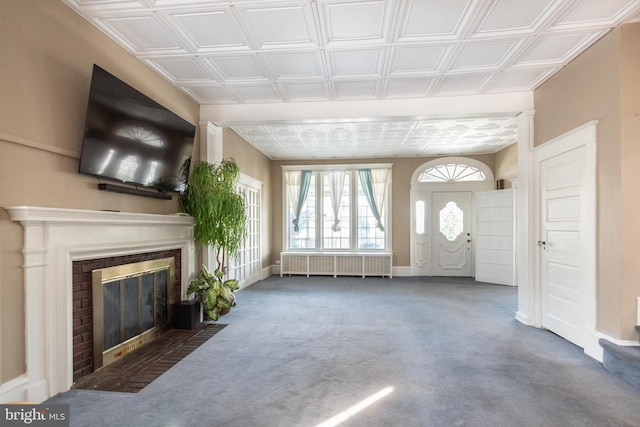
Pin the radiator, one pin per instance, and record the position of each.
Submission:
(336, 264)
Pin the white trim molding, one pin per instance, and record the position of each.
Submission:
(594, 349)
(53, 239)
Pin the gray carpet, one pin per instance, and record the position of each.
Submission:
(297, 351)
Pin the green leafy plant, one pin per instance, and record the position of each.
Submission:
(218, 208)
(214, 293)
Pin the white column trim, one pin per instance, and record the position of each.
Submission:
(527, 289)
(210, 151)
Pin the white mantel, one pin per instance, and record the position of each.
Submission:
(53, 239)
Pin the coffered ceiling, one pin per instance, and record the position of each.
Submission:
(228, 53)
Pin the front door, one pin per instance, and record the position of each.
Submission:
(451, 221)
(562, 251)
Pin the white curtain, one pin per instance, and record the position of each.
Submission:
(292, 181)
(336, 185)
(379, 180)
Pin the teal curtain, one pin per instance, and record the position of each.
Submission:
(367, 188)
(305, 181)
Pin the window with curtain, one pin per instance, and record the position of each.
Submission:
(301, 220)
(345, 209)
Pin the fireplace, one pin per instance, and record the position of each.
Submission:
(55, 240)
(84, 303)
(130, 307)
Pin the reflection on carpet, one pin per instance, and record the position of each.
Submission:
(138, 369)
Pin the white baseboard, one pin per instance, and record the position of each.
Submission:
(267, 271)
(17, 390)
(401, 271)
(275, 270)
(594, 350)
(523, 318)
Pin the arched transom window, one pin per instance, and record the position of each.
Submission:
(454, 172)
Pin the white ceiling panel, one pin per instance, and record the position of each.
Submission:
(238, 68)
(518, 80)
(554, 49)
(391, 138)
(349, 63)
(501, 16)
(181, 70)
(417, 59)
(217, 30)
(281, 26)
(406, 87)
(461, 84)
(296, 65)
(308, 52)
(318, 91)
(597, 12)
(424, 19)
(362, 89)
(258, 93)
(142, 34)
(210, 94)
(479, 55)
(356, 21)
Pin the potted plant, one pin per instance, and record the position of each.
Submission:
(218, 208)
(215, 294)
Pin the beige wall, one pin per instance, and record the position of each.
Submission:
(629, 166)
(602, 84)
(403, 169)
(506, 164)
(47, 53)
(258, 166)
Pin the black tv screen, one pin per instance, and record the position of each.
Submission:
(130, 138)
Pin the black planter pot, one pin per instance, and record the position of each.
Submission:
(186, 314)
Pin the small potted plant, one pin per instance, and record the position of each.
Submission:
(215, 294)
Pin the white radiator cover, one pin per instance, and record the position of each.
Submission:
(336, 263)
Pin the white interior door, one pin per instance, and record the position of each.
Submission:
(452, 214)
(247, 267)
(563, 252)
(495, 243)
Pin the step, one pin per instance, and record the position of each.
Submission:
(623, 361)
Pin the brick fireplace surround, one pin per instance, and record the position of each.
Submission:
(83, 302)
(53, 240)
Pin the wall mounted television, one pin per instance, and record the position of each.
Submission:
(132, 139)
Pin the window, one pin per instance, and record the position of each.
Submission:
(337, 209)
(420, 217)
(302, 233)
(452, 173)
(451, 221)
(336, 229)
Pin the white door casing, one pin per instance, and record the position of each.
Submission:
(495, 237)
(421, 242)
(452, 253)
(564, 185)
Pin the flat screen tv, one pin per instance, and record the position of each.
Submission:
(132, 139)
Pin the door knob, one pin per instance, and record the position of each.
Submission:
(542, 244)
